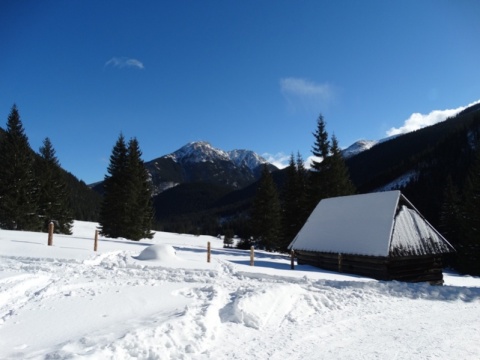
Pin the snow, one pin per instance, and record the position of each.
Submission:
(412, 234)
(358, 147)
(202, 151)
(357, 224)
(401, 181)
(369, 224)
(160, 299)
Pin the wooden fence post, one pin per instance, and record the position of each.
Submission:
(50, 234)
(209, 251)
(95, 242)
(339, 262)
(252, 256)
(292, 259)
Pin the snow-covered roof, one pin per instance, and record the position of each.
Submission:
(376, 224)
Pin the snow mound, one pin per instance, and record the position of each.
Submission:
(257, 309)
(161, 252)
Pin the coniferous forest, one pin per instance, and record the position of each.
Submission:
(440, 162)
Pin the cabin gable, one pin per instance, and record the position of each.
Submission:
(379, 235)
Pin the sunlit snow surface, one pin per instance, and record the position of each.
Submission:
(368, 224)
(160, 299)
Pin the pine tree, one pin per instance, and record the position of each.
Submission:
(266, 213)
(290, 204)
(18, 186)
(338, 181)
(320, 151)
(294, 201)
(303, 201)
(53, 196)
(127, 209)
(321, 146)
(112, 212)
(138, 203)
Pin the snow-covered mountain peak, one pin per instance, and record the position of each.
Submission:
(246, 158)
(358, 147)
(203, 151)
(199, 151)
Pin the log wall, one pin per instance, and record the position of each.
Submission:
(407, 268)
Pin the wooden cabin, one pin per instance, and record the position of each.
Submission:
(378, 235)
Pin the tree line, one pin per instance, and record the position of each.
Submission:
(274, 222)
(33, 191)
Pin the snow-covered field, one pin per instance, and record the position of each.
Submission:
(160, 299)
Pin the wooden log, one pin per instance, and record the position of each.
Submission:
(95, 241)
(209, 251)
(50, 233)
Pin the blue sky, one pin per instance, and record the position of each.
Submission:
(240, 74)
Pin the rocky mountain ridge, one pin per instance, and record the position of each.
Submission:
(199, 161)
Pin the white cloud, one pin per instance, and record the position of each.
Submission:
(122, 62)
(418, 121)
(306, 93)
(280, 160)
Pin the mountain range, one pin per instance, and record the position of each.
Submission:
(201, 162)
(418, 163)
(198, 186)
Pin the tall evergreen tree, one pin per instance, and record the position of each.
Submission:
(139, 198)
(320, 151)
(337, 178)
(290, 204)
(127, 209)
(294, 200)
(112, 212)
(18, 186)
(266, 213)
(53, 196)
(303, 201)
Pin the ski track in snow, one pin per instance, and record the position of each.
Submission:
(225, 314)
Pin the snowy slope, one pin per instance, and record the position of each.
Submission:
(358, 147)
(160, 299)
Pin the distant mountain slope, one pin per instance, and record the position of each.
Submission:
(393, 158)
(201, 162)
(420, 162)
(358, 147)
(417, 163)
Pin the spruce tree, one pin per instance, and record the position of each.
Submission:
(290, 204)
(53, 196)
(112, 212)
(138, 203)
(127, 209)
(337, 178)
(18, 186)
(320, 150)
(303, 201)
(293, 207)
(266, 213)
